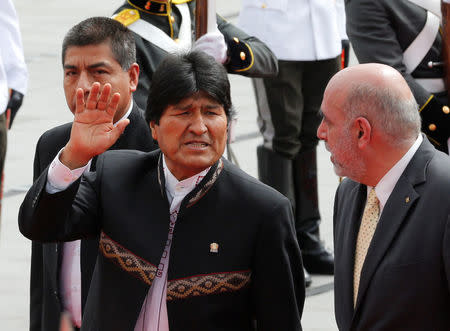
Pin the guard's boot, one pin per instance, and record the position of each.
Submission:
(316, 259)
(308, 278)
(276, 171)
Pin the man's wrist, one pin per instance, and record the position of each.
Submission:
(71, 159)
(60, 176)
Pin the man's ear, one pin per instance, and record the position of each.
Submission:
(153, 129)
(364, 131)
(133, 72)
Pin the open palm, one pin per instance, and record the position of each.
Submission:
(93, 131)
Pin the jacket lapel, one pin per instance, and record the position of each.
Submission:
(401, 200)
(358, 197)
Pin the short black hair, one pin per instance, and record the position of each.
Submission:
(97, 30)
(179, 76)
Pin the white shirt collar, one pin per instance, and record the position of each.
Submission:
(127, 113)
(174, 187)
(386, 185)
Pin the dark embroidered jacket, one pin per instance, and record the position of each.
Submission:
(234, 256)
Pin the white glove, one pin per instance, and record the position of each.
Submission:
(213, 44)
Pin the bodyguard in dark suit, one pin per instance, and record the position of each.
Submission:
(391, 213)
(103, 65)
(163, 27)
(188, 241)
(405, 34)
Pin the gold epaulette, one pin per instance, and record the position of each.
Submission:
(127, 16)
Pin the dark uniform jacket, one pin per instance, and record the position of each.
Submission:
(256, 272)
(380, 31)
(45, 300)
(248, 56)
(405, 280)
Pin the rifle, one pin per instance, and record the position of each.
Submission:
(445, 8)
(205, 17)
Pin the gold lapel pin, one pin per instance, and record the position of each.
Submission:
(214, 247)
(407, 199)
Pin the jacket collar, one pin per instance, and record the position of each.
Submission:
(199, 191)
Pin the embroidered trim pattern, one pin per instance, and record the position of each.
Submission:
(207, 185)
(207, 284)
(126, 260)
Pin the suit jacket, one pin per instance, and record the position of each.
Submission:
(45, 300)
(248, 55)
(405, 279)
(380, 31)
(256, 273)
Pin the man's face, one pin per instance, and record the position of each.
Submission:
(335, 131)
(191, 134)
(84, 65)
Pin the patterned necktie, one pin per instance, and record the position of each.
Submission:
(366, 230)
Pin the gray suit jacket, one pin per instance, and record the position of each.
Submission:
(405, 279)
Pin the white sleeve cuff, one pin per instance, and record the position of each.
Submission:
(60, 177)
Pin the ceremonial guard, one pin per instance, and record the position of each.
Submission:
(13, 75)
(167, 26)
(306, 37)
(406, 35)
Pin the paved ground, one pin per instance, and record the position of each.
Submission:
(43, 25)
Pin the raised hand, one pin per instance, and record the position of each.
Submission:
(93, 130)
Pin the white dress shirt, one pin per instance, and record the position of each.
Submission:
(13, 70)
(296, 30)
(386, 185)
(59, 179)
